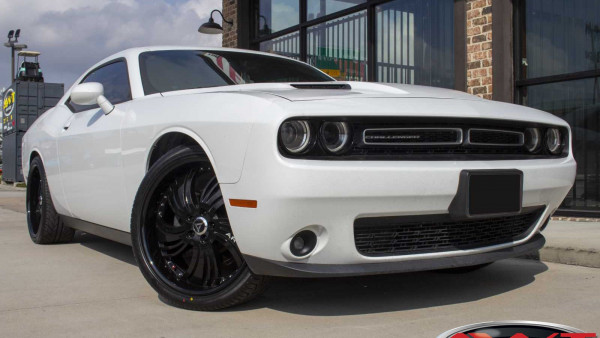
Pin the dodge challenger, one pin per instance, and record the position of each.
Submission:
(222, 167)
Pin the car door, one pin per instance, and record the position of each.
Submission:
(89, 150)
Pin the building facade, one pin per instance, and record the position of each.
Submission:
(539, 53)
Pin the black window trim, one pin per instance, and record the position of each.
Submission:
(107, 63)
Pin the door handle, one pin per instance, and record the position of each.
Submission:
(67, 125)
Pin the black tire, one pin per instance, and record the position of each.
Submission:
(465, 269)
(45, 225)
(181, 236)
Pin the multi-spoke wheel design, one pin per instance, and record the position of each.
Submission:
(35, 200)
(190, 241)
(44, 223)
(182, 237)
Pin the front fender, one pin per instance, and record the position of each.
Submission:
(221, 123)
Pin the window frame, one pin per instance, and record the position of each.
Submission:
(90, 72)
(522, 83)
(459, 26)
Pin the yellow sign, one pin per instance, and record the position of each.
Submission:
(332, 72)
(6, 120)
(8, 105)
(9, 102)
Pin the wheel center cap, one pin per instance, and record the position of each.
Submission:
(200, 226)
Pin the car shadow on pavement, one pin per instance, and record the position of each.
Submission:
(368, 294)
(107, 247)
(386, 293)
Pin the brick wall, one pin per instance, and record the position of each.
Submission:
(479, 47)
(230, 32)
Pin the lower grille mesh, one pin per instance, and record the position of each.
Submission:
(392, 236)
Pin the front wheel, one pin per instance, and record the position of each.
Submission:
(182, 239)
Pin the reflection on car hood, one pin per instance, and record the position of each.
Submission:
(338, 90)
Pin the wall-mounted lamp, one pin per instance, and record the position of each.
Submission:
(211, 27)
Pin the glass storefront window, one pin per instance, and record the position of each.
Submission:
(557, 41)
(275, 15)
(318, 8)
(577, 102)
(561, 36)
(287, 45)
(415, 42)
(412, 40)
(338, 47)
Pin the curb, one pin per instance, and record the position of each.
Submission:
(569, 256)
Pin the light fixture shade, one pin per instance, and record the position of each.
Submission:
(210, 27)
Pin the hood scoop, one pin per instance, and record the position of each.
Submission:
(321, 86)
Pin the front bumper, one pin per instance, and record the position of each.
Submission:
(328, 196)
(302, 270)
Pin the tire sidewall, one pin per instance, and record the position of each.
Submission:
(36, 163)
(175, 158)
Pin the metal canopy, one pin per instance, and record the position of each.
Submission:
(29, 53)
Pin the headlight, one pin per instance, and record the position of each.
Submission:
(533, 139)
(335, 136)
(554, 141)
(295, 136)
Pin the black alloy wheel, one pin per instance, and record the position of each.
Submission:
(43, 222)
(35, 201)
(182, 238)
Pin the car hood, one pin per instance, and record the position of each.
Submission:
(337, 90)
(357, 99)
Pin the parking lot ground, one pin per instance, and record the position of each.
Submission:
(92, 287)
(575, 243)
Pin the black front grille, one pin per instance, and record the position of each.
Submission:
(413, 136)
(428, 139)
(394, 236)
(495, 137)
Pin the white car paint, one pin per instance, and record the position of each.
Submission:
(95, 167)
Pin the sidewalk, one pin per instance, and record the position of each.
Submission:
(573, 243)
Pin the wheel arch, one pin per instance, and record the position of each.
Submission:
(33, 153)
(174, 137)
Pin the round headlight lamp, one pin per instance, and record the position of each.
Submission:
(295, 136)
(533, 139)
(554, 141)
(335, 136)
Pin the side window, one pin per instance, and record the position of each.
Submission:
(115, 80)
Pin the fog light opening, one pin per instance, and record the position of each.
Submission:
(303, 243)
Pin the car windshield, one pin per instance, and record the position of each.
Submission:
(170, 70)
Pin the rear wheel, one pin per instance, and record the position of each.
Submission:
(182, 238)
(45, 226)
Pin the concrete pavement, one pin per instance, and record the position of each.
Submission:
(575, 243)
(12, 198)
(92, 287)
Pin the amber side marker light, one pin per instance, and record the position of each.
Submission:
(243, 203)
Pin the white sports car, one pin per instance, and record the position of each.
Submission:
(223, 166)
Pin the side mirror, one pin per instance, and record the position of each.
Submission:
(90, 93)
